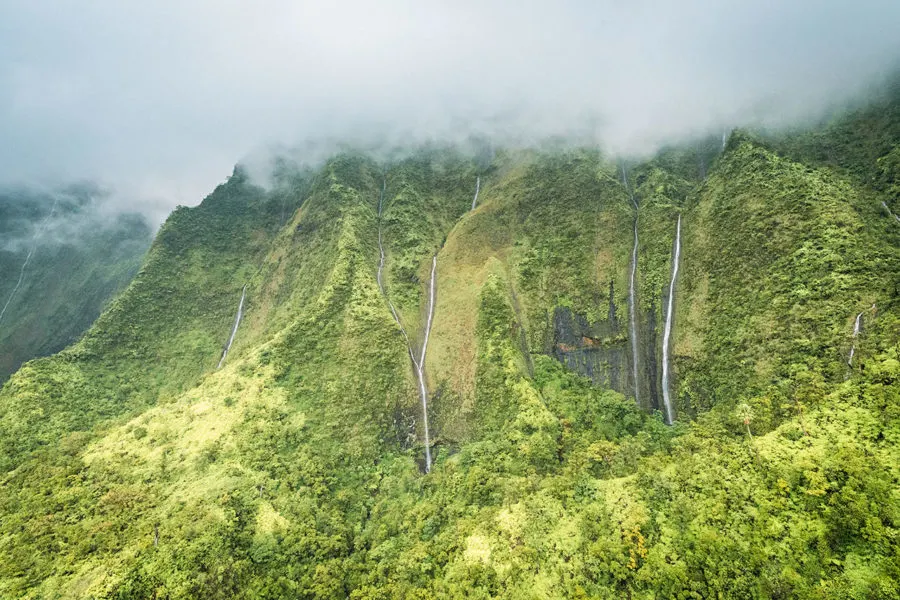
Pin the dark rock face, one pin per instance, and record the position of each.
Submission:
(597, 350)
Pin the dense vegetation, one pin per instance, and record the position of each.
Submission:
(133, 469)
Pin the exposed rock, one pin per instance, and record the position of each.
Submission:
(597, 350)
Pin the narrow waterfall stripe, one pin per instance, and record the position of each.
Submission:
(31, 250)
(632, 314)
(667, 334)
(421, 367)
(477, 188)
(632, 311)
(856, 327)
(237, 321)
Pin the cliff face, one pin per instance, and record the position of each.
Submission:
(599, 350)
(296, 469)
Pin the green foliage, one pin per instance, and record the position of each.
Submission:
(133, 469)
(788, 258)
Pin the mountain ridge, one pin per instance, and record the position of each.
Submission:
(297, 469)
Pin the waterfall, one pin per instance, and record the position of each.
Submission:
(477, 187)
(856, 327)
(237, 321)
(632, 311)
(31, 250)
(724, 139)
(418, 363)
(885, 206)
(420, 367)
(667, 333)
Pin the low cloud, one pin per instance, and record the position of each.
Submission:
(36, 216)
(159, 99)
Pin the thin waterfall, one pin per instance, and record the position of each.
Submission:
(885, 206)
(418, 364)
(724, 138)
(856, 327)
(420, 367)
(237, 321)
(477, 187)
(632, 311)
(31, 250)
(667, 333)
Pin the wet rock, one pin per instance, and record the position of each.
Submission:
(596, 350)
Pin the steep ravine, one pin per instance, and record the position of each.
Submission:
(418, 363)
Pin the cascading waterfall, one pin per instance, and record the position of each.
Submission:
(724, 139)
(885, 206)
(667, 333)
(31, 250)
(477, 188)
(632, 310)
(420, 367)
(856, 327)
(237, 321)
(418, 364)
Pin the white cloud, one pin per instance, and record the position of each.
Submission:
(160, 98)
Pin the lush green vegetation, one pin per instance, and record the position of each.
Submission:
(133, 469)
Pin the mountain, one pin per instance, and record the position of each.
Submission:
(62, 259)
(504, 285)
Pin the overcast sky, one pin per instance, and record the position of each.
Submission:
(158, 99)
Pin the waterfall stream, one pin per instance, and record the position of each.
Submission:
(885, 206)
(667, 332)
(418, 363)
(237, 321)
(632, 310)
(477, 188)
(856, 327)
(31, 250)
(420, 367)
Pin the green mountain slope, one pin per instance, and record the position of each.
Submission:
(133, 468)
(61, 261)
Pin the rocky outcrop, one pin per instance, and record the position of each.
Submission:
(596, 350)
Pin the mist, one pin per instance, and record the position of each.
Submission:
(157, 101)
(69, 216)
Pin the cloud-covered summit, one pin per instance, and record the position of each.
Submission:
(159, 99)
